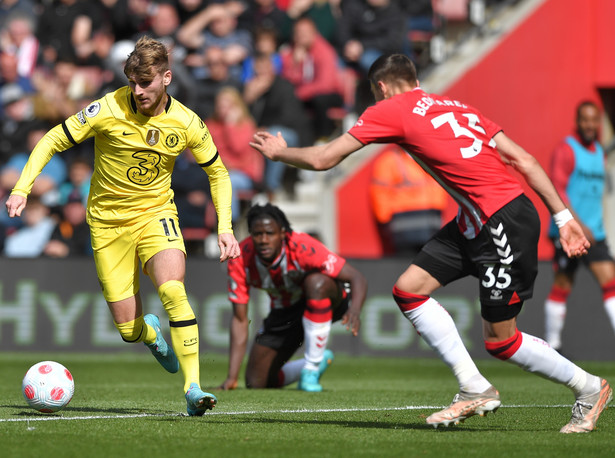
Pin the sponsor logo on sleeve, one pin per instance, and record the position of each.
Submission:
(92, 109)
(81, 118)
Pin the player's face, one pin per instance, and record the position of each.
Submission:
(268, 238)
(150, 94)
(588, 123)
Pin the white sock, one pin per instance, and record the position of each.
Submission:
(555, 315)
(315, 337)
(292, 371)
(609, 306)
(436, 327)
(535, 355)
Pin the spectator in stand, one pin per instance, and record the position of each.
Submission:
(127, 17)
(311, 65)
(265, 42)
(63, 91)
(324, 13)
(406, 201)
(9, 76)
(102, 58)
(18, 39)
(11, 7)
(16, 121)
(275, 108)
(47, 183)
(9, 72)
(163, 23)
(64, 26)
(71, 236)
(29, 241)
(262, 13)
(202, 99)
(189, 8)
(78, 182)
(232, 129)
(368, 29)
(216, 26)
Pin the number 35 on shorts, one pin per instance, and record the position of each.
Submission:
(496, 275)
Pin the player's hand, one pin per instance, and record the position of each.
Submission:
(228, 384)
(229, 247)
(352, 321)
(269, 146)
(574, 242)
(15, 205)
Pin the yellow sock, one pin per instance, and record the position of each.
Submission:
(136, 330)
(184, 330)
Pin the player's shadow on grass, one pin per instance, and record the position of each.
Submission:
(378, 425)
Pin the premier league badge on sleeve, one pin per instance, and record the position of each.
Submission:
(92, 109)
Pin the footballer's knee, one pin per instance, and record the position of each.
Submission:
(132, 331)
(175, 301)
(319, 286)
(171, 292)
(254, 381)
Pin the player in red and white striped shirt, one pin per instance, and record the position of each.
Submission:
(308, 287)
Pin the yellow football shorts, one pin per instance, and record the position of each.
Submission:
(117, 251)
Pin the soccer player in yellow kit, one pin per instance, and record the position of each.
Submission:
(139, 130)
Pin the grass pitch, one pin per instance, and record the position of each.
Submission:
(126, 405)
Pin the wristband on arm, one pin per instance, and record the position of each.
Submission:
(562, 217)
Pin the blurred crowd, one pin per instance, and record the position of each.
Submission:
(290, 66)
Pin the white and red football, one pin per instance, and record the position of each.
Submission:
(48, 386)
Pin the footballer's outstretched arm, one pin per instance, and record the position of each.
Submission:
(319, 157)
(573, 240)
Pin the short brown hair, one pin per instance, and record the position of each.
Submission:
(391, 68)
(150, 57)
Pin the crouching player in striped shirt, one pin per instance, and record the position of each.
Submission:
(309, 288)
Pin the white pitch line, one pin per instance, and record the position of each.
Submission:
(253, 412)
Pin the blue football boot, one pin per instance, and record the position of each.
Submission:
(160, 349)
(198, 402)
(309, 381)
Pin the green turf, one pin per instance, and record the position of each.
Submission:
(368, 408)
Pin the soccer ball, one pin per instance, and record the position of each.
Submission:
(48, 386)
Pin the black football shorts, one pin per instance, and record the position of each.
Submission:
(503, 256)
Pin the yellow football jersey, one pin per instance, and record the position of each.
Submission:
(134, 158)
